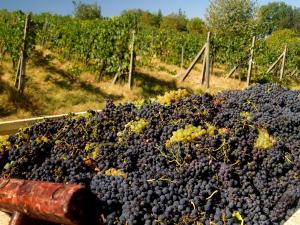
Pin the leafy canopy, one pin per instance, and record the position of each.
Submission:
(276, 15)
(231, 17)
(196, 25)
(86, 11)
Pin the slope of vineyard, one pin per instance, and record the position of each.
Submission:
(53, 88)
(232, 158)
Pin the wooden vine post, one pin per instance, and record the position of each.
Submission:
(132, 59)
(281, 58)
(202, 75)
(21, 68)
(251, 61)
(193, 63)
(181, 61)
(283, 62)
(205, 74)
(207, 62)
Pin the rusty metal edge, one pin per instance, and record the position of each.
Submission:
(11, 127)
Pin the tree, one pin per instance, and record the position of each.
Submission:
(297, 19)
(196, 25)
(233, 23)
(159, 17)
(231, 17)
(148, 18)
(276, 15)
(86, 11)
(142, 17)
(174, 21)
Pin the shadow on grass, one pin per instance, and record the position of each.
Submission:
(68, 82)
(88, 87)
(1, 71)
(152, 86)
(17, 100)
(64, 74)
(38, 58)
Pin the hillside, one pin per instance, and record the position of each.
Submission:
(51, 88)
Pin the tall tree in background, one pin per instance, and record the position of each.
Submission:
(196, 25)
(175, 21)
(86, 11)
(143, 17)
(233, 22)
(231, 17)
(297, 19)
(276, 15)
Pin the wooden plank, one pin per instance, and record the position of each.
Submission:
(283, 63)
(203, 71)
(181, 61)
(295, 219)
(293, 73)
(131, 61)
(232, 71)
(11, 127)
(275, 63)
(115, 78)
(17, 72)
(193, 63)
(207, 61)
(251, 61)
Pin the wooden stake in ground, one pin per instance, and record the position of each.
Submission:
(283, 63)
(21, 69)
(232, 71)
(193, 63)
(251, 61)
(182, 58)
(207, 61)
(202, 75)
(132, 58)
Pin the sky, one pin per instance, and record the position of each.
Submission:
(192, 8)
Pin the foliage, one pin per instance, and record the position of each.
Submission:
(231, 18)
(276, 15)
(86, 11)
(278, 39)
(12, 34)
(144, 18)
(174, 21)
(102, 44)
(196, 25)
(232, 21)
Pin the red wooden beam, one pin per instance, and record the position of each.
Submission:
(67, 204)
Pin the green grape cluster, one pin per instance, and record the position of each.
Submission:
(133, 127)
(264, 139)
(190, 133)
(172, 96)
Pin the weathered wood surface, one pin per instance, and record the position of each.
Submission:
(10, 127)
(275, 63)
(207, 62)
(193, 63)
(295, 219)
(283, 63)
(131, 61)
(249, 74)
